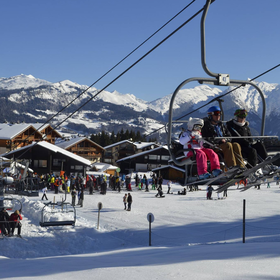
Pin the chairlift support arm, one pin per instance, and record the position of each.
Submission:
(219, 79)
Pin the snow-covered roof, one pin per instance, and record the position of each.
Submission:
(118, 143)
(9, 131)
(42, 126)
(143, 153)
(68, 143)
(101, 166)
(169, 166)
(55, 149)
(142, 145)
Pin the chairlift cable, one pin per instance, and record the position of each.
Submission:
(127, 69)
(106, 73)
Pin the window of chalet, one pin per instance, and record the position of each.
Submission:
(81, 145)
(108, 160)
(165, 157)
(40, 163)
(154, 157)
(58, 162)
(127, 147)
(76, 167)
(108, 153)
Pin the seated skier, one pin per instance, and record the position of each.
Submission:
(160, 192)
(191, 138)
(183, 192)
(250, 148)
(213, 127)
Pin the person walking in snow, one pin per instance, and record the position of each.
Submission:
(209, 192)
(169, 186)
(81, 198)
(125, 201)
(73, 194)
(129, 202)
(45, 189)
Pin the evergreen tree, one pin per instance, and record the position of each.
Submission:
(113, 138)
(122, 136)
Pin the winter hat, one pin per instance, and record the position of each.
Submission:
(241, 113)
(195, 121)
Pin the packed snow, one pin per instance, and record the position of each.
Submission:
(191, 237)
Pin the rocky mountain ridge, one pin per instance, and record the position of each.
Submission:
(25, 98)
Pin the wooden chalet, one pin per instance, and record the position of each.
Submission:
(170, 172)
(46, 158)
(125, 148)
(118, 151)
(14, 136)
(145, 161)
(49, 134)
(83, 147)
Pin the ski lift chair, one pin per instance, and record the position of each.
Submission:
(11, 204)
(62, 208)
(219, 79)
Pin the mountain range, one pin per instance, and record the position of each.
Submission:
(25, 98)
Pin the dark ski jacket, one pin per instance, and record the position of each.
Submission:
(208, 131)
(129, 199)
(237, 130)
(4, 216)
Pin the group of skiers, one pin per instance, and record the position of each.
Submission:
(209, 137)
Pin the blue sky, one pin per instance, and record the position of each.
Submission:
(59, 40)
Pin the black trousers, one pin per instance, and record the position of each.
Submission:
(252, 152)
(16, 225)
(5, 227)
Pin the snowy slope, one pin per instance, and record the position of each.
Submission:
(191, 236)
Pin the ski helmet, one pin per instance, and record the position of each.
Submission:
(213, 109)
(241, 113)
(195, 121)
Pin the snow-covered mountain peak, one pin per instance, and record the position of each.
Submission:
(22, 81)
(39, 99)
(127, 99)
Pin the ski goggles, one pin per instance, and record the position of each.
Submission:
(197, 127)
(217, 113)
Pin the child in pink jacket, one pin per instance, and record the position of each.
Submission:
(191, 138)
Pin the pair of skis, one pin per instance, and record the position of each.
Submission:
(246, 173)
(224, 176)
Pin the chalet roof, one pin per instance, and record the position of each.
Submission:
(169, 166)
(142, 145)
(101, 167)
(10, 131)
(53, 148)
(142, 153)
(73, 141)
(118, 143)
(42, 126)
